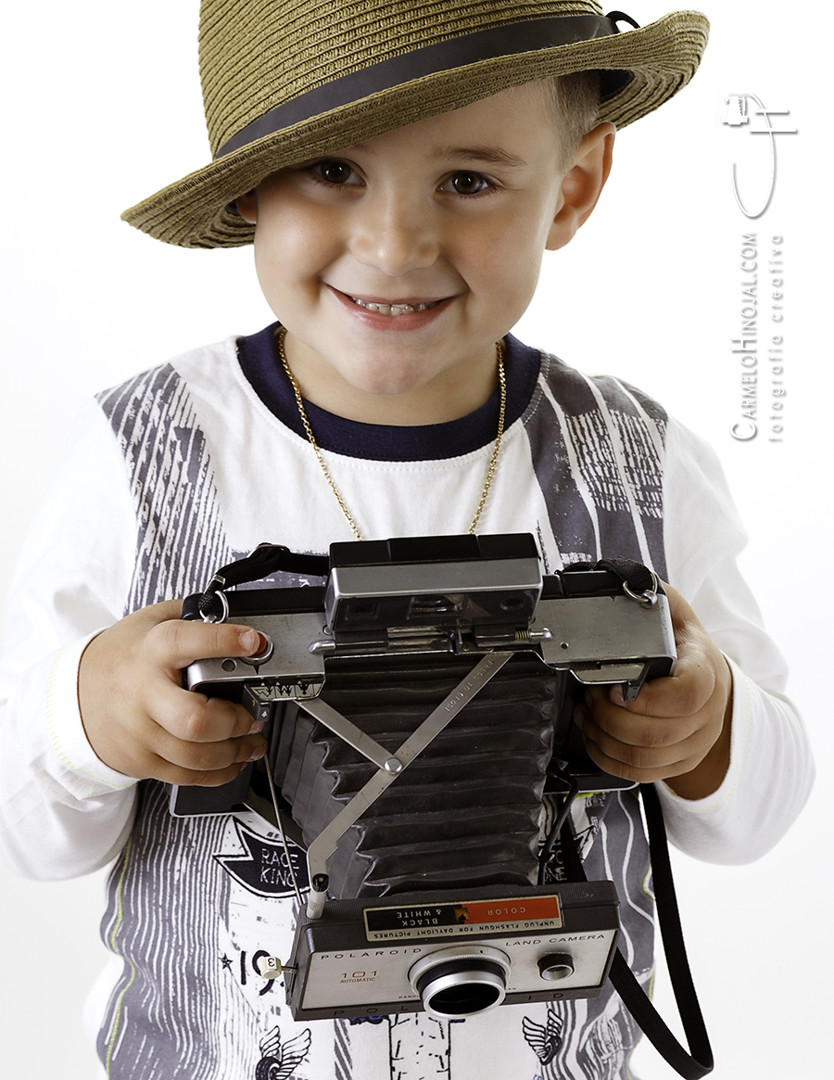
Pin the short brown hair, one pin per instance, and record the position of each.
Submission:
(574, 100)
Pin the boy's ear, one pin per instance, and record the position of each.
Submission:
(247, 207)
(582, 184)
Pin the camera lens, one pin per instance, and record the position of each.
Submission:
(461, 988)
(461, 980)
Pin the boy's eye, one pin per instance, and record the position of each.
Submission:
(333, 171)
(467, 183)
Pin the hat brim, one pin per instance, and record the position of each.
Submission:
(660, 58)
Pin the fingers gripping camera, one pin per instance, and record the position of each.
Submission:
(419, 707)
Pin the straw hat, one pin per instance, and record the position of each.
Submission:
(287, 80)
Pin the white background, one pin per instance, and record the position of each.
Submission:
(102, 107)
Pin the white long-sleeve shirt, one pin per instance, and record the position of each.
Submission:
(176, 472)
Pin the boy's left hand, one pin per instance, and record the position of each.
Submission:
(678, 729)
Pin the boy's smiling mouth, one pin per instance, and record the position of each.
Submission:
(389, 308)
(392, 309)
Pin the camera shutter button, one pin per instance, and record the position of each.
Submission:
(556, 966)
(265, 651)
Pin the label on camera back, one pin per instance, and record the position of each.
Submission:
(462, 919)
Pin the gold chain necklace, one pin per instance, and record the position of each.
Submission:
(493, 461)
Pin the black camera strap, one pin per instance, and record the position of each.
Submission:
(698, 1062)
(266, 559)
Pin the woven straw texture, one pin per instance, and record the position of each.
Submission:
(255, 55)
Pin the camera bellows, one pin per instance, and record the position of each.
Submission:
(464, 813)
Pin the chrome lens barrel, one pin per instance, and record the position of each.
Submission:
(461, 980)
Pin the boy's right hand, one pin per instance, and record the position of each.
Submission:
(140, 720)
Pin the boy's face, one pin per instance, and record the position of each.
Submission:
(395, 265)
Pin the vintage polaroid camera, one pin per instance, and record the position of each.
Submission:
(419, 707)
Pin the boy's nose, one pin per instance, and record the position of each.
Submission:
(394, 238)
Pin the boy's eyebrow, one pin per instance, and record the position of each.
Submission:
(492, 155)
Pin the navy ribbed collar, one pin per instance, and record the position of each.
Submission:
(382, 442)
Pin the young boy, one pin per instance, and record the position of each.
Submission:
(402, 170)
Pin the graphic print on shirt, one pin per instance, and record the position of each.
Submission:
(420, 1046)
(603, 1048)
(192, 904)
(603, 477)
(280, 1060)
(180, 540)
(544, 1039)
(266, 867)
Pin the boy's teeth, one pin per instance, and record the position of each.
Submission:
(393, 309)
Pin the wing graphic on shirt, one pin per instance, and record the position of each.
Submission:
(543, 1040)
(279, 1059)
